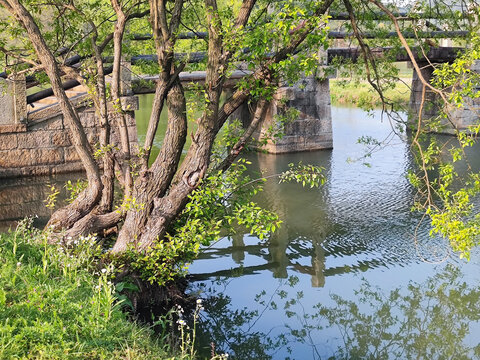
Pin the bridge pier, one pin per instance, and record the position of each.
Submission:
(431, 105)
(460, 118)
(310, 130)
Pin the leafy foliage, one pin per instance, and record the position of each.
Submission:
(74, 189)
(304, 174)
(218, 207)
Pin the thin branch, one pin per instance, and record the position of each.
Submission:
(18, 57)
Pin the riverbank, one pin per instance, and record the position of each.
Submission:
(361, 94)
(58, 304)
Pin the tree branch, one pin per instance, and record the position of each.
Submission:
(258, 116)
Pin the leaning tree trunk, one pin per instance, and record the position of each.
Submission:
(116, 94)
(67, 216)
(100, 100)
(166, 208)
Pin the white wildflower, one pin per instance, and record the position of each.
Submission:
(19, 263)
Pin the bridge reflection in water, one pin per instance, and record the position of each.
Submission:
(359, 220)
(342, 219)
(358, 225)
(26, 197)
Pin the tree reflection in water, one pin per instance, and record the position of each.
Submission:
(429, 320)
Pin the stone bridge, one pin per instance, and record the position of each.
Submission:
(34, 140)
(33, 137)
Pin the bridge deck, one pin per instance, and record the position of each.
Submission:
(145, 84)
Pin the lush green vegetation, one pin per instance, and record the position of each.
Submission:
(57, 303)
(361, 94)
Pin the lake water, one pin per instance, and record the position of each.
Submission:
(352, 272)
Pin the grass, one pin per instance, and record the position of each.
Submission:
(361, 94)
(56, 304)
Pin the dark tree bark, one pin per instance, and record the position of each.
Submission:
(116, 95)
(153, 183)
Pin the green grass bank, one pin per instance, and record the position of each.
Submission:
(361, 94)
(56, 304)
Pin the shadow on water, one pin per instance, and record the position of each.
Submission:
(433, 319)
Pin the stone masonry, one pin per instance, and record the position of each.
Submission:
(40, 143)
(461, 118)
(312, 129)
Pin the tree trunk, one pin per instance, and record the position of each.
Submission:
(194, 167)
(116, 94)
(153, 183)
(67, 216)
(108, 176)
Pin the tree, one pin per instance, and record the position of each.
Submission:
(278, 41)
(154, 198)
(447, 198)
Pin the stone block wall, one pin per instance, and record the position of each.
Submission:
(462, 118)
(42, 145)
(312, 129)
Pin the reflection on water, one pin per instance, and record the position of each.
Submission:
(358, 225)
(428, 320)
(22, 197)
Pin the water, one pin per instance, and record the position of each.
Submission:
(351, 273)
(298, 294)
(26, 196)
